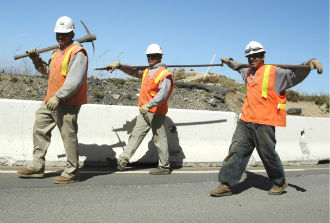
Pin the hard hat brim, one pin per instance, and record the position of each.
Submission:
(153, 53)
(56, 30)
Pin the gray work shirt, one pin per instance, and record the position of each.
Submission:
(76, 75)
(284, 78)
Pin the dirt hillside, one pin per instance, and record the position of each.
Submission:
(191, 91)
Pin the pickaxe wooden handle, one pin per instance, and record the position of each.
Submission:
(88, 38)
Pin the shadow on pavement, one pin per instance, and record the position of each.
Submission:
(86, 173)
(258, 181)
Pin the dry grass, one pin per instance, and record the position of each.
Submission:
(318, 99)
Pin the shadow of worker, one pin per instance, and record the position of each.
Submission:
(176, 155)
(91, 167)
(253, 180)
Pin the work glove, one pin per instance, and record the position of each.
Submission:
(39, 64)
(315, 64)
(115, 65)
(53, 103)
(229, 62)
(144, 109)
(226, 60)
(33, 54)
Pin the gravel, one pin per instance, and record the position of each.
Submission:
(110, 92)
(186, 94)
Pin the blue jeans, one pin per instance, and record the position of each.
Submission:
(248, 136)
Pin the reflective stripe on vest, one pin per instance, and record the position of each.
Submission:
(265, 81)
(66, 61)
(145, 73)
(281, 106)
(265, 86)
(160, 76)
(157, 78)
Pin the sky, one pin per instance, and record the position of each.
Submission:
(189, 32)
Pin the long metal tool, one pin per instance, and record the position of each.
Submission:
(88, 38)
(285, 66)
(219, 65)
(194, 65)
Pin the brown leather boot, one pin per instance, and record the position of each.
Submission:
(121, 164)
(64, 180)
(222, 190)
(160, 171)
(27, 173)
(277, 190)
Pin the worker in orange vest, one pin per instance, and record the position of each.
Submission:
(67, 91)
(156, 88)
(264, 108)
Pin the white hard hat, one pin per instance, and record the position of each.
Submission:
(64, 24)
(154, 49)
(254, 47)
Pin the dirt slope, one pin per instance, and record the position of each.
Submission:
(193, 95)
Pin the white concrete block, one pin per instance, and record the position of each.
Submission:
(194, 136)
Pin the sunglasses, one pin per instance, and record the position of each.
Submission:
(256, 55)
(252, 49)
(153, 56)
(65, 35)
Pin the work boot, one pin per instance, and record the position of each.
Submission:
(64, 180)
(277, 190)
(160, 171)
(222, 190)
(121, 165)
(27, 173)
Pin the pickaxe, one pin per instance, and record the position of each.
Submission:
(88, 38)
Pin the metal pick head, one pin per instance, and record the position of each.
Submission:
(88, 34)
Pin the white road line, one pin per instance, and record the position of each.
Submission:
(174, 171)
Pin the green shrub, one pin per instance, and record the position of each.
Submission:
(322, 99)
(13, 79)
(27, 81)
(117, 81)
(98, 94)
(292, 96)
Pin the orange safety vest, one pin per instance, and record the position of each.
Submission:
(58, 71)
(149, 89)
(262, 105)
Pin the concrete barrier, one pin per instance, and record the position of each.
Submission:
(195, 137)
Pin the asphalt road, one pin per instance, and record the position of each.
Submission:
(104, 195)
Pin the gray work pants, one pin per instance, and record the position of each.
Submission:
(141, 129)
(248, 136)
(65, 117)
